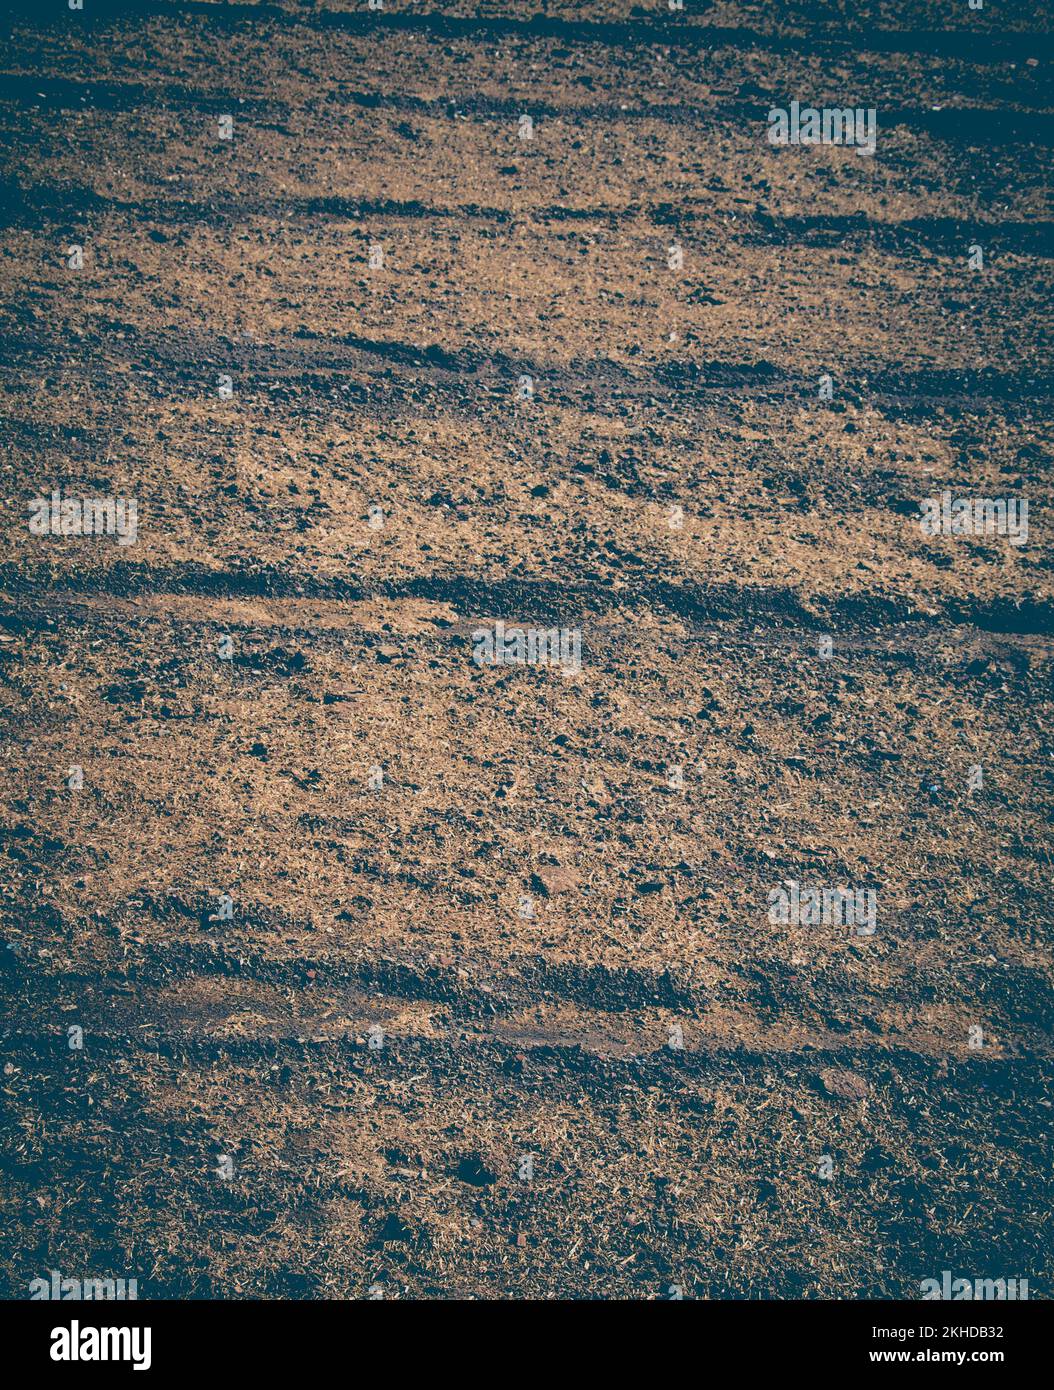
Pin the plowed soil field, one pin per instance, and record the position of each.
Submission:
(337, 965)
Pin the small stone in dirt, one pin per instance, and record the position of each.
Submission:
(551, 880)
(846, 1085)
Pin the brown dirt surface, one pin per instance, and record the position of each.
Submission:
(488, 914)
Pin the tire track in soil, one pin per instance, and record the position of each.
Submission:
(544, 600)
(958, 125)
(997, 46)
(43, 206)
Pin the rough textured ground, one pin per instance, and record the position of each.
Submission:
(398, 1168)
